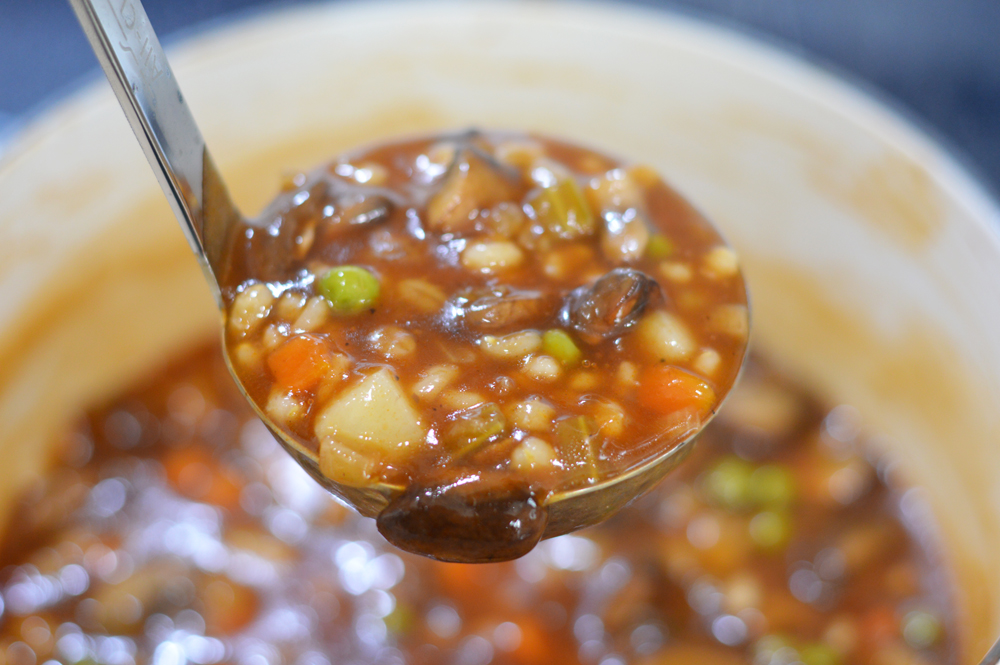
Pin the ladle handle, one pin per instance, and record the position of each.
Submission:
(136, 66)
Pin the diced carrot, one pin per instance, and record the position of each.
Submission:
(300, 363)
(666, 389)
(227, 606)
(879, 625)
(195, 473)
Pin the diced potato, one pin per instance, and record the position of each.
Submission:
(533, 455)
(492, 256)
(249, 310)
(665, 338)
(512, 346)
(373, 414)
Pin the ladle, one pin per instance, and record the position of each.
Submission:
(137, 68)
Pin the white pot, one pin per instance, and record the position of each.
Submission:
(873, 259)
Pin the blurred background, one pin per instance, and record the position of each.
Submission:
(936, 60)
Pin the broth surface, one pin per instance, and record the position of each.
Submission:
(174, 529)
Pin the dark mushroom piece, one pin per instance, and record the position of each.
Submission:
(610, 305)
(473, 182)
(510, 309)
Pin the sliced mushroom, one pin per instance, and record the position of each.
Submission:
(272, 246)
(610, 305)
(473, 182)
(356, 209)
(511, 309)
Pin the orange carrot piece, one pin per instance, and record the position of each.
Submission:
(300, 363)
(666, 389)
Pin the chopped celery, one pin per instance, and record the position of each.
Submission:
(559, 345)
(473, 428)
(563, 210)
(349, 289)
(659, 247)
(575, 440)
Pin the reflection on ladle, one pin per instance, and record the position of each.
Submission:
(480, 339)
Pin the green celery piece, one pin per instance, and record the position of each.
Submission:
(563, 210)
(559, 345)
(474, 428)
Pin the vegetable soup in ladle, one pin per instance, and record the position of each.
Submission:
(481, 339)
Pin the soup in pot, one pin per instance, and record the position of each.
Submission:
(173, 529)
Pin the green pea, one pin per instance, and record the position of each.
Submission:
(559, 345)
(659, 247)
(770, 530)
(349, 289)
(818, 653)
(772, 486)
(727, 483)
(921, 629)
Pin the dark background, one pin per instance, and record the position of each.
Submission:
(937, 60)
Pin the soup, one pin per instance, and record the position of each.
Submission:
(174, 529)
(479, 321)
